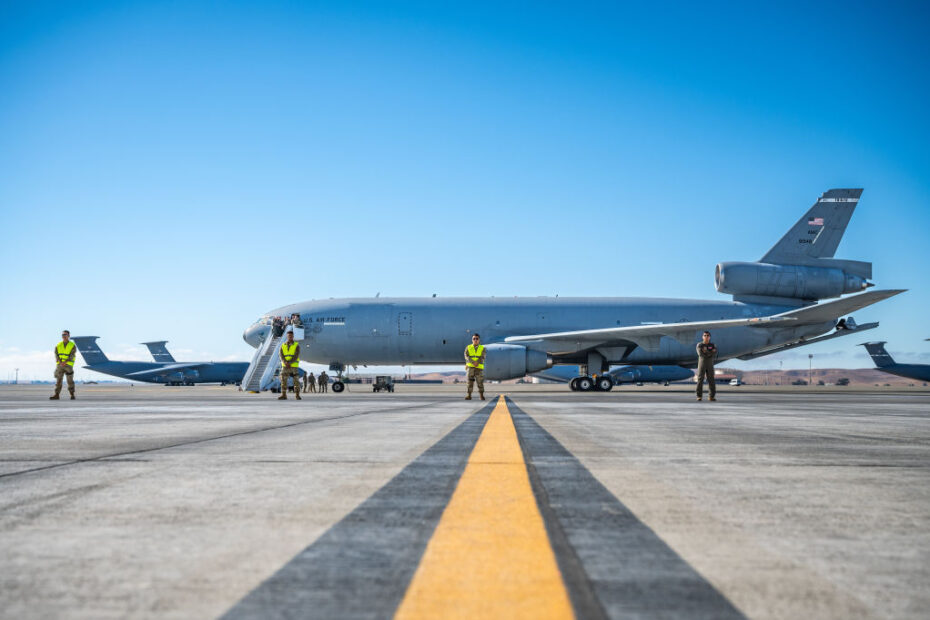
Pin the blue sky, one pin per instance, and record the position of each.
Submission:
(172, 170)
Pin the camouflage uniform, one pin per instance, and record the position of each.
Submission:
(289, 371)
(474, 373)
(64, 368)
(707, 354)
(323, 382)
(311, 383)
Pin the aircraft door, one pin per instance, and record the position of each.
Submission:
(406, 345)
(405, 324)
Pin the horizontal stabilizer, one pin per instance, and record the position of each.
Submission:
(830, 310)
(806, 341)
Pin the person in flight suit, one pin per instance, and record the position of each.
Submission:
(707, 355)
(290, 361)
(323, 382)
(64, 364)
(474, 365)
(311, 383)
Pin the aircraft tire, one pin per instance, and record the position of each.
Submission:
(338, 386)
(585, 384)
(573, 384)
(604, 384)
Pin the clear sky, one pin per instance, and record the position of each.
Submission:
(172, 170)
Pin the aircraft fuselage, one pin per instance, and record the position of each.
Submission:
(436, 330)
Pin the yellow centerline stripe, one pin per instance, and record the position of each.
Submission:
(490, 556)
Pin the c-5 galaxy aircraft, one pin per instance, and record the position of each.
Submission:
(775, 307)
(885, 363)
(164, 370)
(617, 376)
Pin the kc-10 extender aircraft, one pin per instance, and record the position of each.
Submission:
(775, 307)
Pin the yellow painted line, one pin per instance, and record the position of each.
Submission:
(490, 556)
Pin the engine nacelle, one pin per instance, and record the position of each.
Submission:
(791, 281)
(512, 361)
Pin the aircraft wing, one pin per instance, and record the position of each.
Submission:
(645, 336)
(649, 336)
(164, 370)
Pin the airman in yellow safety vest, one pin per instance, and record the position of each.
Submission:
(474, 365)
(290, 365)
(64, 364)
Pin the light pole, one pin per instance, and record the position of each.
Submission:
(810, 368)
(16, 381)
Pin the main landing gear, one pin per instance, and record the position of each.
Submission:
(588, 384)
(338, 385)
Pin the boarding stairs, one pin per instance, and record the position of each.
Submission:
(262, 361)
(262, 372)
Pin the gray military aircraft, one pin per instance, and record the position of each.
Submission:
(617, 376)
(885, 363)
(776, 306)
(163, 370)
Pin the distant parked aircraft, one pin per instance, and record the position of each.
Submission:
(159, 351)
(165, 371)
(885, 363)
(621, 375)
(777, 305)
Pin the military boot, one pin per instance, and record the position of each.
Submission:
(282, 396)
(72, 395)
(53, 397)
(297, 396)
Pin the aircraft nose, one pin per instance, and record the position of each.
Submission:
(254, 334)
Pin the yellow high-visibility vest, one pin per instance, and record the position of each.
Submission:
(290, 352)
(475, 355)
(63, 351)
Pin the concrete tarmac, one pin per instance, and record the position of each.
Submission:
(200, 502)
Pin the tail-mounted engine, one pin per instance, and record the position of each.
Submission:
(791, 283)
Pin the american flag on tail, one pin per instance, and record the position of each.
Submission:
(815, 221)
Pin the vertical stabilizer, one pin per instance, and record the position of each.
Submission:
(87, 346)
(159, 351)
(879, 354)
(819, 231)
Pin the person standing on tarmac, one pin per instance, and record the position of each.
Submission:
(290, 361)
(64, 364)
(323, 382)
(474, 365)
(707, 355)
(311, 383)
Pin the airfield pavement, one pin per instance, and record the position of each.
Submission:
(203, 502)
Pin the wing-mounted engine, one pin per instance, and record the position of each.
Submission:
(512, 361)
(793, 284)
